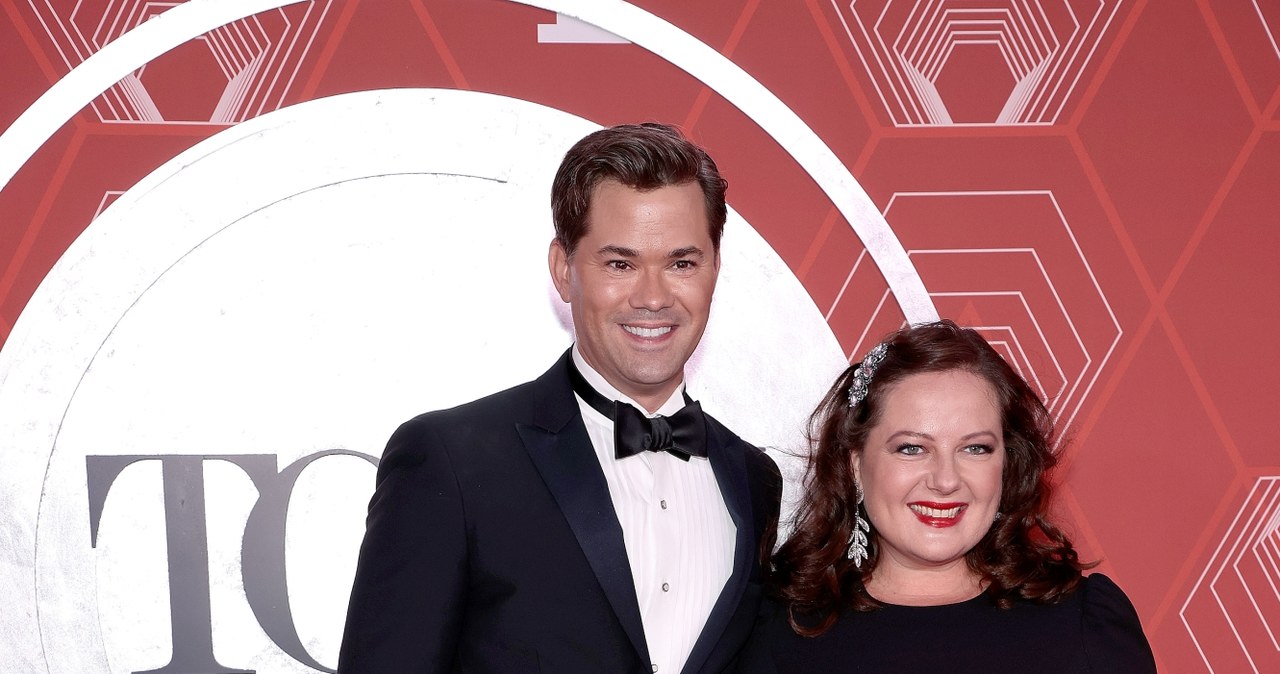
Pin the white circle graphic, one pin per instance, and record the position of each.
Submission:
(278, 291)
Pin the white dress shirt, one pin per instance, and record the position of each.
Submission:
(677, 529)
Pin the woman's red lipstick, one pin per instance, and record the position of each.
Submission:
(940, 515)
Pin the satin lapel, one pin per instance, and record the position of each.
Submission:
(730, 467)
(558, 444)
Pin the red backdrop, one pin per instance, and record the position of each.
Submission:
(1095, 184)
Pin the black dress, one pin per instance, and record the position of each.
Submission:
(1095, 629)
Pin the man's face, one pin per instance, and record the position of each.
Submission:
(639, 285)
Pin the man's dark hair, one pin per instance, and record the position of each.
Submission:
(640, 156)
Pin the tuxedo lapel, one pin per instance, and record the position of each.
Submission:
(558, 444)
(730, 468)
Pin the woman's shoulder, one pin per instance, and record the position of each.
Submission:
(1100, 583)
(1110, 626)
(1102, 597)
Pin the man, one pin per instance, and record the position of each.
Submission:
(529, 531)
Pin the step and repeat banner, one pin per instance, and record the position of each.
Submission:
(241, 240)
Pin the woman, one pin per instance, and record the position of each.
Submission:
(922, 542)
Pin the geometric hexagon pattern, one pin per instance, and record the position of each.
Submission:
(248, 65)
(1045, 310)
(927, 57)
(1233, 613)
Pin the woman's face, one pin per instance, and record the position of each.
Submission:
(931, 469)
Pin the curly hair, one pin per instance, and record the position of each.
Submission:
(1023, 555)
(641, 156)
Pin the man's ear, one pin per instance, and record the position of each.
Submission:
(558, 263)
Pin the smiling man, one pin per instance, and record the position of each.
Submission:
(595, 519)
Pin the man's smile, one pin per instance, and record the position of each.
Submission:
(641, 331)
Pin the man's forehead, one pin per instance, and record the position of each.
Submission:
(615, 250)
(669, 200)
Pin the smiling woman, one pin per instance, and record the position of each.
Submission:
(923, 542)
(931, 474)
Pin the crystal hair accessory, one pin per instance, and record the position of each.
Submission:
(863, 373)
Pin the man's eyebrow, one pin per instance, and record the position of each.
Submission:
(622, 251)
(687, 251)
(618, 250)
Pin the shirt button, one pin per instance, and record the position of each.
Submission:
(664, 504)
(666, 587)
(653, 667)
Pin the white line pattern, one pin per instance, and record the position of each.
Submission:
(1245, 552)
(258, 60)
(1046, 47)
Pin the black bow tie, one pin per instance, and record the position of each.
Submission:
(682, 434)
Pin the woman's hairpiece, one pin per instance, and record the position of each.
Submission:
(863, 373)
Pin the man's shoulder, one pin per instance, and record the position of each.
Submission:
(468, 432)
(544, 401)
(478, 418)
(506, 403)
(756, 458)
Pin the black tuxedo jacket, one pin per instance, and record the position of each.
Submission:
(492, 546)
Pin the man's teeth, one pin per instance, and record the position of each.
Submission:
(647, 332)
(935, 512)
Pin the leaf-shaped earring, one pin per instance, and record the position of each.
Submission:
(858, 539)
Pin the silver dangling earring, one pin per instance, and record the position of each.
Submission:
(858, 539)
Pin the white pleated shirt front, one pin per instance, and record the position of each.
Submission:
(678, 532)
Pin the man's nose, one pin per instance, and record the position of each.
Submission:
(652, 290)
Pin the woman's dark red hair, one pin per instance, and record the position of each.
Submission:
(1023, 555)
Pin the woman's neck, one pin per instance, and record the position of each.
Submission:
(924, 587)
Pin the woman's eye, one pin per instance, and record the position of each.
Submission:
(910, 450)
(979, 449)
